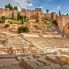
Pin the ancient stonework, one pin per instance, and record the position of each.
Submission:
(37, 14)
(63, 23)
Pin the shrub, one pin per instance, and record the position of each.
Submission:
(3, 19)
(23, 30)
(48, 22)
(21, 18)
(7, 25)
(0, 21)
(37, 20)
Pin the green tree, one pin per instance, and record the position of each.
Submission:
(3, 19)
(9, 6)
(18, 16)
(48, 22)
(59, 13)
(67, 14)
(24, 18)
(23, 29)
(21, 18)
(6, 6)
(47, 10)
(15, 8)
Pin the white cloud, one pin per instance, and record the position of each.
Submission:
(40, 7)
(30, 5)
(22, 3)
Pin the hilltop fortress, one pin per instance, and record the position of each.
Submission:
(62, 21)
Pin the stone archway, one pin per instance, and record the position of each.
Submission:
(66, 29)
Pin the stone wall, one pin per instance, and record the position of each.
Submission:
(31, 14)
(53, 15)
(59, 21)
(37, 14)
(63, 21)
(8, 13)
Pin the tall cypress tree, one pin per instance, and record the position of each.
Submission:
(59, 13)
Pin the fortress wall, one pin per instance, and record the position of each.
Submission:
(48, 15)
(28, 13)
(65, 20)
(8, 13)
(23, 12)
(62, 22)
(53, 16)
(59, 21)
(66, 24)
(34, 14)
(15, 14)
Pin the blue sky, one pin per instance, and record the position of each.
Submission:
(52, 5)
